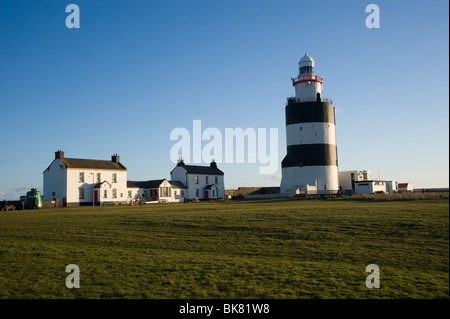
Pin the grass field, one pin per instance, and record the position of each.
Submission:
(235, 249)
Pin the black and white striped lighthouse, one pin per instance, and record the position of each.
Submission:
(311, 163)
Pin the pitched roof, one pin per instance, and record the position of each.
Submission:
(92, 164)
(177, 184)
(210, 186)
(145, 184)
(196, 169)
(99, 185)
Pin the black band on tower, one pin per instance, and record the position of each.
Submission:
(310, 155)
(306, 112)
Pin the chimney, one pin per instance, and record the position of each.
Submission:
(180, 162)
(59, 155)
(213, 164)
(115, 158)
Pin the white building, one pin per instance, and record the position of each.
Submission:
(347, 179)
(311, 162)
(77, 182)
(201, 182)
(156, 191)
(391, 186)
(370, 187)
(405, 187)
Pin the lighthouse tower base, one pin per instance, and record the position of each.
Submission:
(309, 180)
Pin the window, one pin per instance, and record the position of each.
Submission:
(197, 193)
(114, 178)
(174, 192)
(196, 179)
(301, 128)
(53, 193)
(105, 193)
(182, 193)
(99, 177)
(214, 192)
(129, 194)
(165, 191)
(325, 186)
(81, 193)
(306, 69)
(114, 193)
(216, 180)
(81, 177)
(121, 195)
(207, 180)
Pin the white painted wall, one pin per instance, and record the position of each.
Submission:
(345, 178)
(307, 91)
(310, 133)
(174, 193)
(55, 181)
(179, 174)
(391, 186)
(370, 187)
(134, 194)
(408, 188)
(189, 180)
(319, 176)
(90, 179)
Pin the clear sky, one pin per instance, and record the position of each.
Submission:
(135, 70)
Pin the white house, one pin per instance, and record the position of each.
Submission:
(154, 191)
(347, 179)
(370, 187)
(77, 182)
(201, 182)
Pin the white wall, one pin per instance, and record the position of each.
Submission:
(73, 185)
(391, 186)
(179, 174)
(294, 177)
(310, 133)
(345, 178)
(307, 91)
(371, 187)
(174, 193)
(55, 181)
(193, 186)
(134, 194)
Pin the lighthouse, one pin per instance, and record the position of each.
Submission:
(311, 163)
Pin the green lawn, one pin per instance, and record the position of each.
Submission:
(235, 249)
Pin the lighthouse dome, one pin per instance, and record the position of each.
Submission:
(306, 64)
(306, 59)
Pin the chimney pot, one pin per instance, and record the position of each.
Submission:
(59, 154)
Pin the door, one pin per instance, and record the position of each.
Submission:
(154, 194)
(96, 197)
(206, 194)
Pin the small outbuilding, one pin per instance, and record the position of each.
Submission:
(405, 187)
(370, 187)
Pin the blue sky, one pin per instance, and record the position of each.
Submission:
(135, 70)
